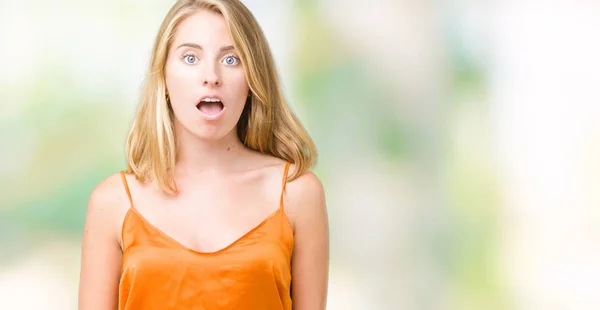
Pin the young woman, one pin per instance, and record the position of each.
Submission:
(218, 208)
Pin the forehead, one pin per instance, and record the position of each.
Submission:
(204, 27)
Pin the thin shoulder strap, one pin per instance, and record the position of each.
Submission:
(283, 183)
(126, 187)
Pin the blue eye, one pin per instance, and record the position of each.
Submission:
(189, 59)
(231, 60)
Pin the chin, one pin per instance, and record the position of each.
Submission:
(213, 133)
(209, 130)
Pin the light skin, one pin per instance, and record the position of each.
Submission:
(213, 166)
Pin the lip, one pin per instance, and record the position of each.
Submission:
(211, 96)
(211, 117)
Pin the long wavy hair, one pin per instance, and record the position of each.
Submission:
(266, 125)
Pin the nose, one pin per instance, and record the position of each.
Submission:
(210, 75)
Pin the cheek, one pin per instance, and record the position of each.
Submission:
(178, 78)
(178, 88)
(239, 84)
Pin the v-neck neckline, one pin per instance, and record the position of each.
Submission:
(179, 244)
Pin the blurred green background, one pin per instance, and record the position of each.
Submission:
(459, 142)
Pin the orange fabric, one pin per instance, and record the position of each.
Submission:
(254, 272)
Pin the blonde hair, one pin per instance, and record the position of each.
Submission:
(267, 125)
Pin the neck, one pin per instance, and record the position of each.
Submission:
(197, 155)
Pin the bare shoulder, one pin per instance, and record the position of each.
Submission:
(305, 198)
(107, 206)
(307, 186)
(109, 194)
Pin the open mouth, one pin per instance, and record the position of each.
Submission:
(210, 107)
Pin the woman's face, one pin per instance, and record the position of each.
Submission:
(206, 82)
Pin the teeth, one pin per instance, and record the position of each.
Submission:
(211, 100)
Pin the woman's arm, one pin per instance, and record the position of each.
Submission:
(310, 260)
(101, 251)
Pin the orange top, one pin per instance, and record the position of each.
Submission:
(253, 272)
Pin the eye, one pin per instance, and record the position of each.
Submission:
(231, 60)
(189, 59)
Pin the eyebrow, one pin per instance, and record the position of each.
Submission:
(196, 46)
